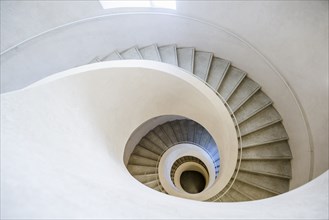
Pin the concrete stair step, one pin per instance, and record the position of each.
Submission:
(151, 136)
(227, 198)
(237, 196)
(159, 188)
(269, 183)
(131, 54)
(185, 56)
(231, 81)
(190, 135)
(278, 149)
(198, 129)
(242, 93)
(95, 60)
(255, 104)
(262, 119)
(163, 136)
(150, 52)
(168, 54)
(146, 178)
(170, 132)
(153, 184)
(141, 160)
(275, 132)
(212, 149)
(115, 55)
(175, 125)
(141, 151)
(217, 72)
(141, 170)
(251, 191)
(205, 138)
(151, 146)
(184, 128)
(235, 188)
(202, 63)
(277, 168)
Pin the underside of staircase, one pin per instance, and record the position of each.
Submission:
(265, 168)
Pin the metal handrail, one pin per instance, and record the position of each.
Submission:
(176, 143)
(235, 174)
(219, 195)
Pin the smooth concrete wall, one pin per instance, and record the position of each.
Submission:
(63, 142)
(292, 35)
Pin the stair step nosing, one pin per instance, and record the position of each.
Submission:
(236, 86)
(265, 142)
(133, 47)
(260, 187)
(268, 158)
(208, 67)
(133, 154)
(257, 111)
(247, 98)
(242, 193)
(266, 174)
(155, 143)
(116, 52)
(156, 49)
(223, 76)
(139, 145)
(262, 127)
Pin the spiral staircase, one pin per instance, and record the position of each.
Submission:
(263, 168)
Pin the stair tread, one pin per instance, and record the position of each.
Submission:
(260, 120)
(131, 54)
(266, 173)
(265, 135)
(155, 139)
(252, 191)
(115, 55)
(185, 56)
(232, 79)
(150, 146)
(177, 130)
(163, 136)
(198, 133)
(146, 178)
(140, 160)
(237, 195)
(202, 63)
(139, 150)
(168, 54)
(243, 92)
(253, 105)
(184, 128)
(139, 170)
(95, 60)
(272, 184)
(150, 52)
(170, 132)
(275, 149)
(217, 72)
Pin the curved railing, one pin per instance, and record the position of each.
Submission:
(219, 194)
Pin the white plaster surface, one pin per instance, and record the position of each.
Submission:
(292, 35)
(62, 153)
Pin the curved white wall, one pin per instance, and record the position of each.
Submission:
(63, 140)
(293, 35)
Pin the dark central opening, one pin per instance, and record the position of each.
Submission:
(192, 181)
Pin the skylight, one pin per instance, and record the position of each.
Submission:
(140, 4)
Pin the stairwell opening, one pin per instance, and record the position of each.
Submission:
(192, 181)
